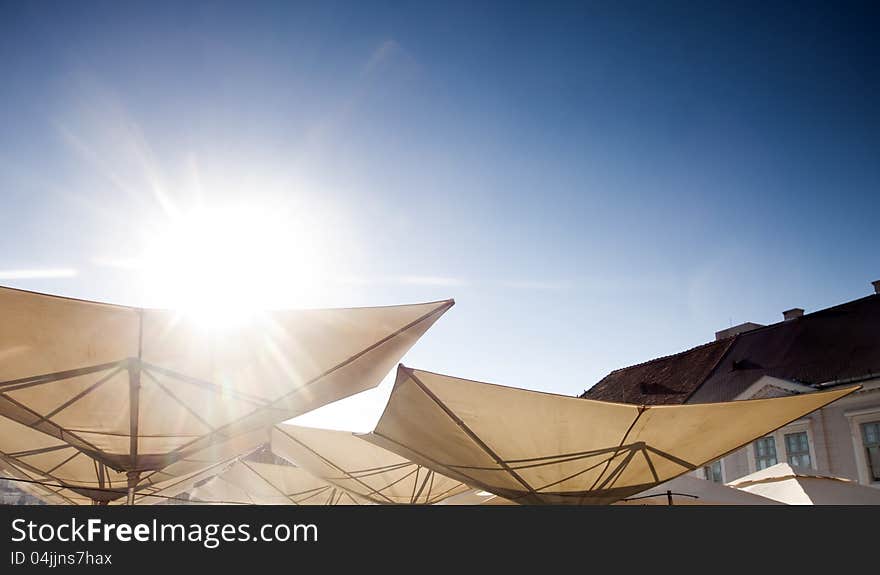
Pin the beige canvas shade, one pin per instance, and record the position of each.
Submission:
(690, 490)
(40, 464)
(139, 389)
(792, 486)
(540, 448)
(259, 483)
(361, 468)
(58, 473)
(166, 485)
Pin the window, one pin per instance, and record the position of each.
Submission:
(797, 448)
(864, 424)
(713, 472)
(765, 452)
(871, 439)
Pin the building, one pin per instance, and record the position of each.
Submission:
(801, 354)
(12, 494)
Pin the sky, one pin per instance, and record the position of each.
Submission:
(596, 184)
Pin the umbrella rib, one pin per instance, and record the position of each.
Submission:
(641, 409)
(306, 491)
(381, 469)
(430, 487)
(207, 385)
(39, 451)
(618, 470)
(437, 463)
(650, 463)
(312, 493)
(470, 433)
(183, 479)
(330, 463)
(260, 475)
(168, 392)
(16, 464)
(118, 491)
(564, 456)
(61, 431)
(125, 434)
(442, 495)
(134, 395)
(395, 482)
(573, 475)
(440, 309)
(412, 497)
(567, 459)
(63, 462)
(353, 500)
(30, 381)
(674, 459)
(79, 396)
(429, 476)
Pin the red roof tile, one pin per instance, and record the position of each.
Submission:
(666, 380)
(838, 343)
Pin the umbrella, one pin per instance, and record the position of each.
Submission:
(783, 483)
(690, 490)
(259, 483)
(361, 468)
(139, 389)
(77, 479)
(475, 497)
(535, 448)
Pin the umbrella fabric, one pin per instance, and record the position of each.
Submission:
(797, 487)
(77, 479)
(167, 484)
(540, 448)
(137, 389)
(258, 483)
(361, 468)
(690, 490)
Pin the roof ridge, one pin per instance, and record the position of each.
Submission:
(743, 334)
(808, 315)
(730, 341)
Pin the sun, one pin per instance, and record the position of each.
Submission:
(221, 265)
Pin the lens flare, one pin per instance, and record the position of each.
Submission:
(222, 265)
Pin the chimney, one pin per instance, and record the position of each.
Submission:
(792, 313)
(736, 330)
(876, 285)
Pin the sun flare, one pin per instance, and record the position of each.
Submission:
(222, 265)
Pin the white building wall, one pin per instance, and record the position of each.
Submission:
(835, 440)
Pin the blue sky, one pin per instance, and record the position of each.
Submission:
(595, 184)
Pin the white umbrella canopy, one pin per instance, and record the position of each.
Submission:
(475, 497)
(690, 490)
(260, 483)
(139, 389)
(167, 484)
(783, 483)
(77, 479)
(361, 468)
(540, 448)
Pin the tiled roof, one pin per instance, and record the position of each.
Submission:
(666, 380)
(838, 343)
(833, 344)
